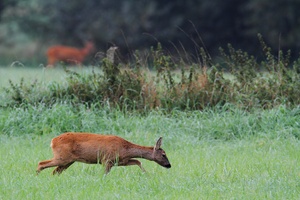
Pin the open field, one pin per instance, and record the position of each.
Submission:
(255, 169)
(41, 74)
(223, 153)
(248, 161)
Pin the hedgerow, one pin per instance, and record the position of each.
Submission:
(159, 80)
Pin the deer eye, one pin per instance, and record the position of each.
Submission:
(164, 155)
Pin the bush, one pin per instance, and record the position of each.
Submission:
(251, 84)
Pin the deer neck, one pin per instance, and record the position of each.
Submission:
(137, 151)
(86, 50)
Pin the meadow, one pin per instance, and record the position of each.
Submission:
(218, 153)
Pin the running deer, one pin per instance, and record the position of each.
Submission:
(68, 54)
(108, 150)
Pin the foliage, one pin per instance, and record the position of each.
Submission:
(136, 25)
(263, 84)
(24, 94)
(252, 84)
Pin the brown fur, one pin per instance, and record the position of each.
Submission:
(108, 150)
(68, 54)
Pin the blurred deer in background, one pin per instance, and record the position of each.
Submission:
(109, 150)
(68, 54)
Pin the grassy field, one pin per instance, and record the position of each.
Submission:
(215, 154)
(255, 169)
(41, 74)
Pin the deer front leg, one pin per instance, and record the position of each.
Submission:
(133, 162)
(46, 164)
(58, 170)
(108, 167)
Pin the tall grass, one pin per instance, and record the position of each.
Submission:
(226, 123)
(220, 153)
(215, 154)
(237, 139)
(254, 84)
(33, 84)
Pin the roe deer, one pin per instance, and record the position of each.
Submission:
(68, 54)
(108, 150)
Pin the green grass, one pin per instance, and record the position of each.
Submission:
(244, 169)
(43, 75)
(222, 153)
(38, 76)
(250, 159)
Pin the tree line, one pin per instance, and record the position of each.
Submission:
(177, 24)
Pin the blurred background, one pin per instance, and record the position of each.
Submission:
(29, 27)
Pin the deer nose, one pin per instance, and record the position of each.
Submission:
(168, 166)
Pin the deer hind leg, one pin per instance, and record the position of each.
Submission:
(52, 163)
(133, 162)
(46, 164)
(59, 169)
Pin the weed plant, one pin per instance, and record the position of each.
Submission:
(253, 84)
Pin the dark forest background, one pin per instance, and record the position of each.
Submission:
(28, 27)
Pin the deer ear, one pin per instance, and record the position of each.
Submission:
(158, 144)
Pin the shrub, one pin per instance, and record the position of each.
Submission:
(251, 83)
